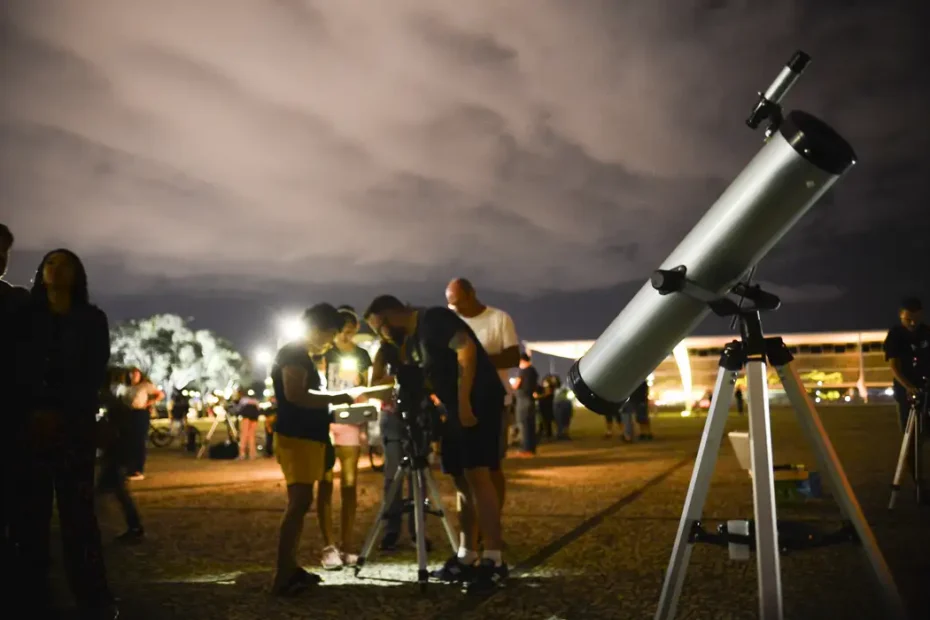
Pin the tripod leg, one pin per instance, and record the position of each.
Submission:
(768, 561)
(419, 520)
(697, 493)
(437, 502)
(902, 460)
(817, 435)
(206, 442)
(918, 442)
(375, 530)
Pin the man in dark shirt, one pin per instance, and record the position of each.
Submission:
(907, 349)
(302, 435)
(465, 380)
(526, 386)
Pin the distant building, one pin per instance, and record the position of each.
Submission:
(835, 366)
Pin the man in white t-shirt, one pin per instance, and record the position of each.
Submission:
(498, 335)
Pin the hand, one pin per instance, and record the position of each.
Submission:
(466, 416)
(344, 399)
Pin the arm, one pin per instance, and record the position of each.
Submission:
(379, 369)
(894, 353)
(899, 375)
(510, 356)
(467, 354)
(295, 390)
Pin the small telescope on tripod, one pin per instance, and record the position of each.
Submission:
(803, 157)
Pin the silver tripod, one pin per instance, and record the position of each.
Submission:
(913, 436)
(763, 535)
(416, 467)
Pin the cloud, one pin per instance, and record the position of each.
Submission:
(804, 293)
(565, 147)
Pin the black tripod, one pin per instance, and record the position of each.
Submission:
(913, 440)
(426, 500)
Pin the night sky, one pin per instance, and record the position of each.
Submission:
(231, 160)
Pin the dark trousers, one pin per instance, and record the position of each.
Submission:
(526, 421)
(63, 473)
(10, 510)
(393, 455)
(113, 480)
(562, 411)
(546, 418)
(138, 439)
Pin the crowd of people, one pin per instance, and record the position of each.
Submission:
(55, 363)
(55, 353)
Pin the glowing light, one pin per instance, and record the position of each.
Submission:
(817, 400)
(820, 383)
(889, 391)
(680, 353)
(685, 413)
(291, 328)
(267, 393)
(847, 398)
(348, 364)
(263, 357)
(251, 392)
(184, 393)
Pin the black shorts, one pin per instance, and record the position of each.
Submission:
(471, 448)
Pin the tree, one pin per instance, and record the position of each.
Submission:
(175, 356)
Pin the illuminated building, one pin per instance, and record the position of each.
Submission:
(835, 366)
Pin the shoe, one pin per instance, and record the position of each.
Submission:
(388, 543)
(332, 560)
(453, 571)
(299, 581)
(349, 559)
(131, 536)
(137, 476)
(487, 577)
(104, 612)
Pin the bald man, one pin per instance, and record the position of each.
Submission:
(498, 335)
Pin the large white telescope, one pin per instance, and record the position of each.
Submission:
(802, 158)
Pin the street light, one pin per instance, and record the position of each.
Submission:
(263, 357)
(291, 329)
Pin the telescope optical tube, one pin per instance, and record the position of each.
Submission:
(797, 165)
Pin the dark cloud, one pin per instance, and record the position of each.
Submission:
(238, 145)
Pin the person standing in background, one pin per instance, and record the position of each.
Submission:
(526, 386)
(545, 400)
(497, 333)
(61, 349)
(248, 412)
(345, 366)
(140, 395)
(637, 408)
(738, 397)
(12, 298)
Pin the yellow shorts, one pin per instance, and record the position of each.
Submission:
(303, 461)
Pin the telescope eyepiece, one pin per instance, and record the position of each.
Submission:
(769, 105)
(799, 62)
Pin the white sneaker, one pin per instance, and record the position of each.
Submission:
(331, 559)
(349, 559)
(137, 476)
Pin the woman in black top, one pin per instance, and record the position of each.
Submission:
(62, 349)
